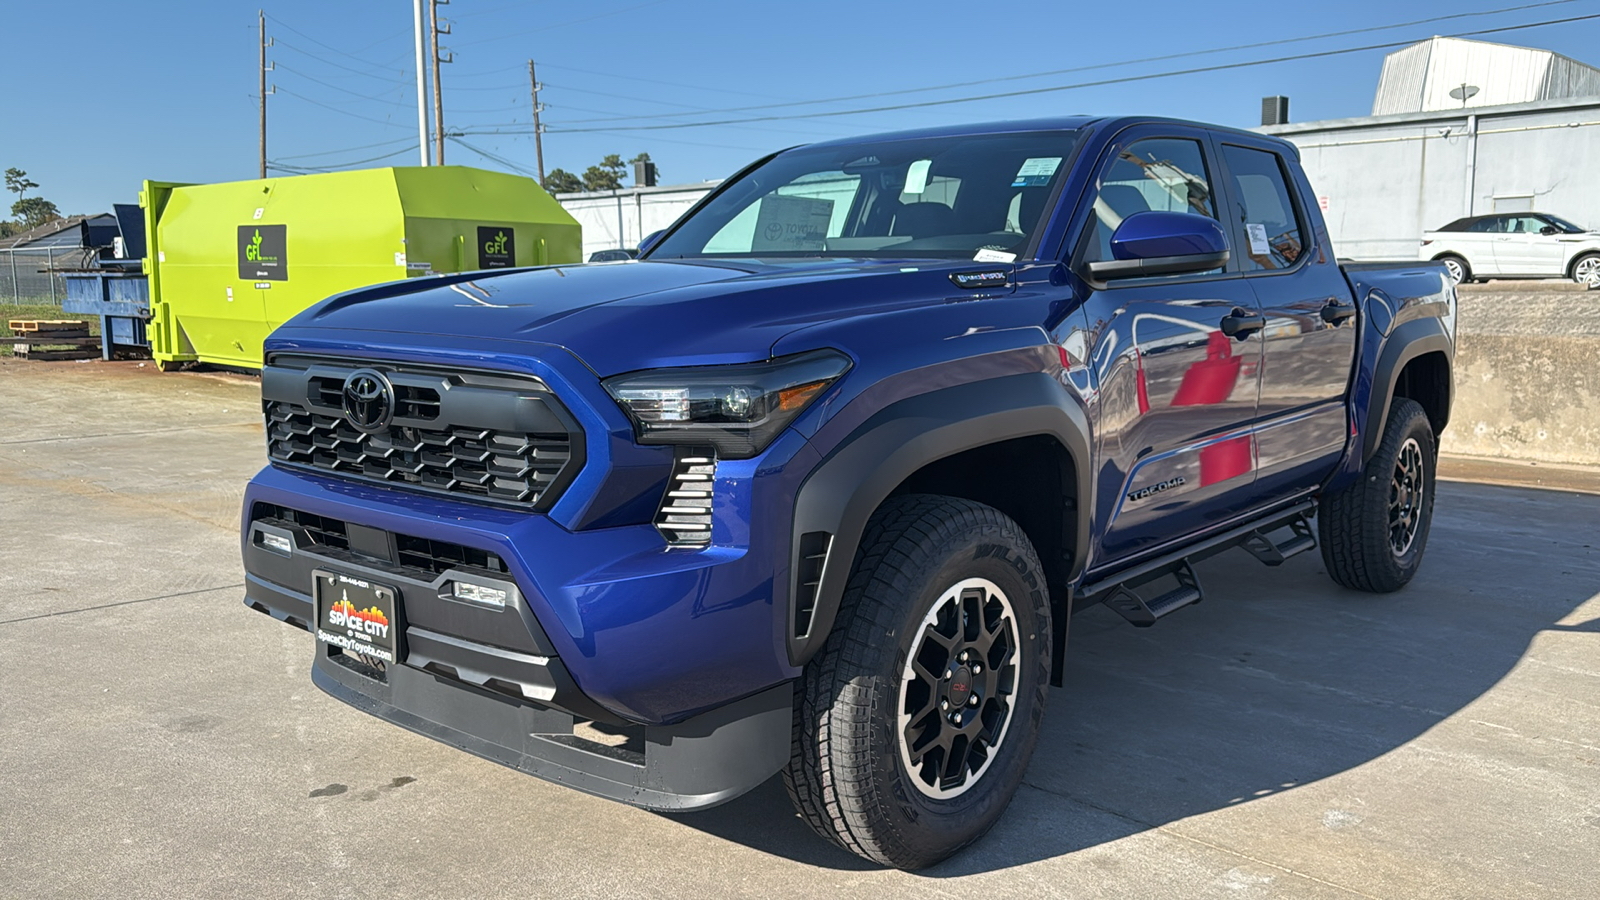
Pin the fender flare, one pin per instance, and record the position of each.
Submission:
(858, 474)
(1407, 342)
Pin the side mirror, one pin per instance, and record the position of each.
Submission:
(1549, 230)
(650, 240)
(1163, 243)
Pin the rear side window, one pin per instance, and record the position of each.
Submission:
(1274, 235)
(1491, 225)
(1166, 174)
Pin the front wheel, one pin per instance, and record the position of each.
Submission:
(914, 724)
(1374, 530)
(1586, 270)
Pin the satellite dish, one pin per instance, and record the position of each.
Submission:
(1464, 93)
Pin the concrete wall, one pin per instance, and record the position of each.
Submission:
(1527, 377)
(619, 220)
(1384, 180)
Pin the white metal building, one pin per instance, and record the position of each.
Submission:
(1384, 179)
(617, 220)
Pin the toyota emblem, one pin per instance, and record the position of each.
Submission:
(368, 400)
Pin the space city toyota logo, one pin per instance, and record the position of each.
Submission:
(370, 622)
(368, 400)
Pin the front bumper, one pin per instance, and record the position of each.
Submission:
(517, 705)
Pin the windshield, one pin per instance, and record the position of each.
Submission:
(962, 197)
(1565, 226)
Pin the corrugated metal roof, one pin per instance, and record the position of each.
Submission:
(1419, 78)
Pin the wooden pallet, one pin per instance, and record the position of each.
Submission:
(53, 326)
(24, 351)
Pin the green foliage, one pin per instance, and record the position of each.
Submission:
(34, 211)
(18, 183)
(560, 181)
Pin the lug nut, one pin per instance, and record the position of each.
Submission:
(976, 668)
(944, 704)
(973, 700)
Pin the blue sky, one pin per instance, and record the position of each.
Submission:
(100, 95)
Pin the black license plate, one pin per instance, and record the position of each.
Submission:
(356, 615)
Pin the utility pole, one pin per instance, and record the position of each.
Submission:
(422, 84)
(538, 130)
(438, 95)
(261, 19)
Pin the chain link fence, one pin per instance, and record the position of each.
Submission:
(33, 274)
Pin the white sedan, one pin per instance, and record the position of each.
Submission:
(1515, 245)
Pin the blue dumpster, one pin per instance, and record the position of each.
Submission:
(121, 298)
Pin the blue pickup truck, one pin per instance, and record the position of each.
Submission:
(814, 485)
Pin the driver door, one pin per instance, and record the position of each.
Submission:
(1177, 397)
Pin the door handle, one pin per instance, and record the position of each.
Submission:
(1335, 313)
(1240, 324)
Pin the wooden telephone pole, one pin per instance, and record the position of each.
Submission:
(438, 93)
(261, 19)
(538, 130)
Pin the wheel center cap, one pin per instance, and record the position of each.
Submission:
(960, 686)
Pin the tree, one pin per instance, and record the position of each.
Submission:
(560, 181)
(34, 211)
(607, 176)
(17, 182)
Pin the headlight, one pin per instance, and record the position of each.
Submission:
(736, 409)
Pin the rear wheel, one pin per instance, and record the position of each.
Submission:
(1587, 269)
(1375, 529)
(915, 723)
(1458, 269)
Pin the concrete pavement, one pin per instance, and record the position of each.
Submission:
(1285, 738)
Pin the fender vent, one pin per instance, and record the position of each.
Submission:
(685, 514)
(813, 556)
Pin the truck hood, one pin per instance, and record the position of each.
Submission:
(619, 317)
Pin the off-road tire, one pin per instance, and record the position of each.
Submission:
(1354, 523)
(846, 775)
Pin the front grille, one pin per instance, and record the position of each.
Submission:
(477, 436)
(685, 513)
(435, 557)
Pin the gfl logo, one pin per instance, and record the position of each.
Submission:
(495, 246)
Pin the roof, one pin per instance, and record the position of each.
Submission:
(1436, 73)
(1441, 116)
(39, 233)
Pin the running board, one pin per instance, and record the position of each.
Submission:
(1272, 553)
(1136, 610)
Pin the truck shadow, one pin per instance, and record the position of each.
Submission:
(1280, 679)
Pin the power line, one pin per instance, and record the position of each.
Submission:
(659, 82)
(614, 12)
(1067, 87)
(343, 112)
(280, 166)
(373, 97)
(1108, 65)
(309, 55)
(346, 149)
(337, 50)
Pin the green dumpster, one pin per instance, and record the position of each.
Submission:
(227, 263)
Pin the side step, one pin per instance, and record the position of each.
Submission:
(1272, 553)
(1136, 610)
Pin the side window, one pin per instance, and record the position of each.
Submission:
(1486, 226)
(1167, 174)
(1274, 236)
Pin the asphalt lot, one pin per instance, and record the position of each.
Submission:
(1285, 738)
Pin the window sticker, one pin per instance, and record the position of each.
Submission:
(791, 223)
(1036, 171)
(1258, 239)
(987, 255)
(917, 176)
